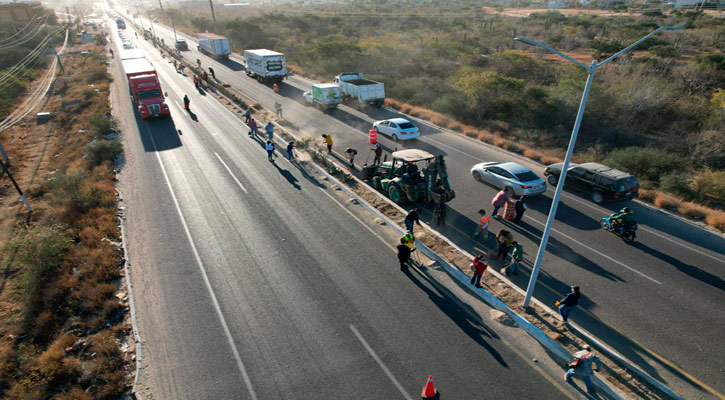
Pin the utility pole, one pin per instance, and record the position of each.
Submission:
(213, 17)
(173, 26)
(52, 46)
(162, 8)
(67, 11)
(22, 195)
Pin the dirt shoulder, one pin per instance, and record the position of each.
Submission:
(61, 312)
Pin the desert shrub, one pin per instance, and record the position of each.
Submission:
(40, 249)
(87, 93)
(716, 219)
(665, 51)
(103, 124)
(667, 201)
(76, 193)
(521, 66)
(710, 183)
(103, 150)
(693, 210)
(98, 75)
(677, 184)
(645, 162)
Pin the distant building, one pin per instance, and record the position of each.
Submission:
(20, 12)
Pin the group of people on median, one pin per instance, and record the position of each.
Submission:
(269, 145)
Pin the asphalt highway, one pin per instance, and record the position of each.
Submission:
(657, 301)
(251, 282)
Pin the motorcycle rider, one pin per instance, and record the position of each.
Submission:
(624, 218)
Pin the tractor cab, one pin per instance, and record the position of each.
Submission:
(413, 176)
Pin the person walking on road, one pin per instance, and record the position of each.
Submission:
(404, 254)
(270, 150)
(351, 153)
(378, 151)
(253, 128)
(479, 268)
(412, 217)
(583, 367)
(499, 201)
(328, 142)
(568, 303)
(291, 150)
(176, 66)
(278, 109)
(482, 227)
(517, 255)
(269, 128)
(520, 207)
(211, 71)
(439, 212)
(504, 239)
(248, 115)
(186, 102)
(111, 50)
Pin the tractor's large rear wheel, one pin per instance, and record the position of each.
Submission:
(396, 194)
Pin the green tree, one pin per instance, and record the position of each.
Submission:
(488, 92)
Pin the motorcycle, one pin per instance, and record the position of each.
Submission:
(627, 233)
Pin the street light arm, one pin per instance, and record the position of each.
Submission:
(555, 51)
(628, 48)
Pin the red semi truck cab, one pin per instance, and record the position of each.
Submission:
(145, 88)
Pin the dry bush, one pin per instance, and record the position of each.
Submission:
(694, 210)
(647, 195)
(455, 125)
(485, 136)
(667, 201)
(50, 362)
(95, 263)
(75, 393)
(533, 154)
(90, 236)
(550, 159)
(499, 141)
(716, 219)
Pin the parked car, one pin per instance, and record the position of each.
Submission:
(181, 45)
(127, 45)
(520, 180)
(599, 181)
(397, 128)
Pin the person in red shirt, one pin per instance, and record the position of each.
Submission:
(479, 268)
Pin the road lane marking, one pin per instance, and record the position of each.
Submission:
(377, 359)
(230, 172)
(600, 253)
(207, 283)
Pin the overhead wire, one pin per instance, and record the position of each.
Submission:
(16, 33)
(22, 40)
(34, 99)
(25, 60)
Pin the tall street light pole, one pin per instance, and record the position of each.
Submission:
(591, 69)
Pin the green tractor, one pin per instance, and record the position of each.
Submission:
(412, 176)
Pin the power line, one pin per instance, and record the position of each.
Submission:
(18, 32)
(25, 60)
(22, 40)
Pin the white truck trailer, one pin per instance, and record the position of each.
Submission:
(325, 96)
(265, 65)
(214, 45)
(353, 85)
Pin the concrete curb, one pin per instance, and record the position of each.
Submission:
(131, 302)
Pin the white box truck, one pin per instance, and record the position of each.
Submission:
(353, 85)
(214, 45)
(325, 96)
(265, 65)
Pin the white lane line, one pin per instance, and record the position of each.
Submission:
(598, 252)
(478, 159)
(230, 172)
(380, 363)
(214, 300)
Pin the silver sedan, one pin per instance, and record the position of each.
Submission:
(520, 180)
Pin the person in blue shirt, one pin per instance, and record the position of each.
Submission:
(568, 303)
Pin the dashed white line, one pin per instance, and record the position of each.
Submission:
(204, 275)
(599, 252)
(377, 359)
(230, 172)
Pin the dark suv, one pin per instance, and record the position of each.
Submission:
(601, 182)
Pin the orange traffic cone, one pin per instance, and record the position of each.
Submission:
(276, 88)
(429, 391)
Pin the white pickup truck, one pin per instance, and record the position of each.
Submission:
(353, 85)
(325, 96)
(265, 65)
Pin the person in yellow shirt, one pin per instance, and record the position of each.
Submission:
(328, 141)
